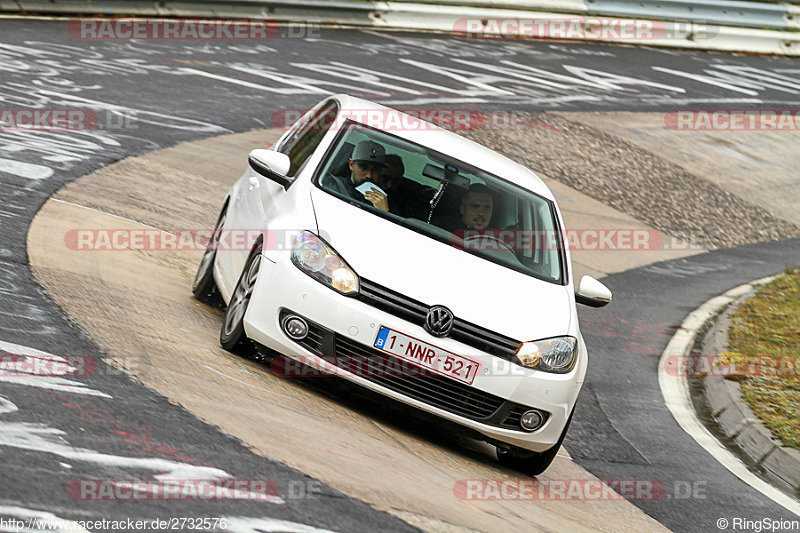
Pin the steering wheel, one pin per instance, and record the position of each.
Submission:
(491, 237)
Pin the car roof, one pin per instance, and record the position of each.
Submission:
(448, 143)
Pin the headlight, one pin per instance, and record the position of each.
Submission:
(555, 355)
(313, 256)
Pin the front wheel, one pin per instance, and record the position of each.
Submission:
(204, 287)
(528, 462)
(232, 336)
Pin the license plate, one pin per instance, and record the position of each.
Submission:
(426, 356)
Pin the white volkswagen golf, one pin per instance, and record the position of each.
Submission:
(421, 265)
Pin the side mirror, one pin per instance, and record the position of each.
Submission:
(272, 165)
(592, 293)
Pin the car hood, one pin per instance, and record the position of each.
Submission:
(434, 273)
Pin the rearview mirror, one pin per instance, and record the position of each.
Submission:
(592, 293)
(438, 174)
(272, 165)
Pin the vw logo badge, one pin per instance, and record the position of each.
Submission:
(439, 321)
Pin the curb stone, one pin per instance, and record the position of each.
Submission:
(736, 420)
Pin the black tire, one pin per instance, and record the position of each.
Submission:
(528, 462)
(232, 336)
(204, 287)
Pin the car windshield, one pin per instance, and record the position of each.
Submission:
(445, 199)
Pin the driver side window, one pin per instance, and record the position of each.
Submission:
(302, 143)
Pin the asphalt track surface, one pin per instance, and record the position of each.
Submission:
(150, 95)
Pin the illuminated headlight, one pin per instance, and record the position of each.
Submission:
(313, 256)
(555, 355)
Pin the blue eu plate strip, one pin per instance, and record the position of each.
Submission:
(382, 334)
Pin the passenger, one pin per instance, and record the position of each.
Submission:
(407, 198)
(390, 180)
(476, 207)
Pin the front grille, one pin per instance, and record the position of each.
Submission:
(392, 302)
(415, 382)
(415, 312)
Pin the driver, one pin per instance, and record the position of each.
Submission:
(476, 207)
(476, 211)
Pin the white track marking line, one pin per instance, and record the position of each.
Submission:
(706, 79)
(162, 230)
(248, 384)
(25, 170)
(237, 81)
(280, 78)
(675, 390)
(107, 213)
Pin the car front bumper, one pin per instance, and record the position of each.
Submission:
(282, 286)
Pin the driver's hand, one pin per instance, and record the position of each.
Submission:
(380, 201)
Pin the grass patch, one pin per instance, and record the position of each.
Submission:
(764, 339)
